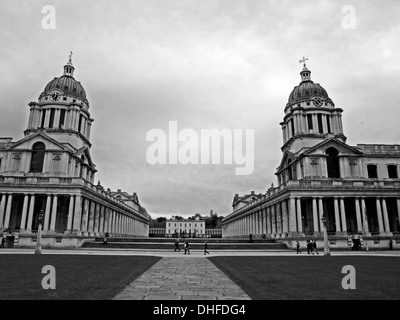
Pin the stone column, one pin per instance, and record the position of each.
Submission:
(365, 216)
(315, 215)
(70, 215)
(2, 210)
(337, 218)
(54, 214)
(278, 219)
(8, 212)
(273, 220)
(85, 216)
(321, 212)
(24, 212)
(285, 231)
(379, 214)
(56, 122)
(77, 215)
(343, 214)
(102, 219)
(91, 218)
(385, 217)
(299, 219)
(358, 215)
(398, 208)
(292, 217)
(30, 213)
(47, 213)
(96, 220)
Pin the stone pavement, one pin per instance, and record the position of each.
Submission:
(183, 278)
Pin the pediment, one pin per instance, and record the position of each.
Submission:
(29, 141)
(341, 147)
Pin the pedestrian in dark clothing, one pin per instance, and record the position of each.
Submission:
(187, 248)
(297, 247)
(251, 238)
(205, 248)
(314, 247)
(391, 244)
(177, 245)
(3, 240)
(309, 246)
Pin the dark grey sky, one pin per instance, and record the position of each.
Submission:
(205, 64)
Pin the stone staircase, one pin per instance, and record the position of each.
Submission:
(195, 244)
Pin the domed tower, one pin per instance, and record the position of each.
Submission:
(62, 111)
(310, 115)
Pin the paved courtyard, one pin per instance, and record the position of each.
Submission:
(183, 278)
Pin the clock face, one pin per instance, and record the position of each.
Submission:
(317, 102)
(55, 96)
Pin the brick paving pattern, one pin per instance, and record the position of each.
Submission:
(183, 278)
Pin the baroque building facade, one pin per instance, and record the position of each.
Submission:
(357, 188)
(51, 171)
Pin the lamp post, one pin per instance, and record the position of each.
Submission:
(38, 249)
(327, 251)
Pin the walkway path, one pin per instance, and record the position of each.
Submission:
(183, 278)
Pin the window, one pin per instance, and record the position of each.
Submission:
(332, 161)
(320, 128)
(328, 123)
(392, 171)
(308, 103)
(353, 168)
(38, 151)
(65, 98)
(372, 171)
(16, 161)
(56, 163)
(309, 121)
(51, 123)
(62, 118)
(43, 118)
(292, 126)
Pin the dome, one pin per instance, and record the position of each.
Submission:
(305, 90)
(68, 85)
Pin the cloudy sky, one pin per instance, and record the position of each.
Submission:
(205, 64)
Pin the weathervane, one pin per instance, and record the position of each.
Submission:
(70, 57)
(303, 61)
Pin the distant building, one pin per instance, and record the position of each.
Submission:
(185, 227)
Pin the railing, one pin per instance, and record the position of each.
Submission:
(379, 148)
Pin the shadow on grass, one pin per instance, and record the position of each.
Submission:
(78, 277)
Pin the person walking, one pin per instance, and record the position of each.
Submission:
(187, 248)
(314, 247)
(309, 247)
(3, 240)
(251, 238)
(205, 248)
(177, 245)
(297, 247)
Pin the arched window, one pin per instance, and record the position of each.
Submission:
(333, 163)
(56, 163)
(38, 151)
(16, 161)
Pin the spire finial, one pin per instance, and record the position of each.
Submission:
(304, 62)
(70, 58)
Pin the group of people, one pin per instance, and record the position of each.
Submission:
(186, 247)
(311, 247)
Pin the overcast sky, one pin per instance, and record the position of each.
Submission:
(205, 64)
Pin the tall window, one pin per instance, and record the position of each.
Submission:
(328, 123)
(43, 118)
(320, 128)
(372, 171)
(292, 126)
(51, 122)
(392, 171)
(333, 163)
(38, 151)
(309, 121)
(80, 123)
(62, 118)
(16, 162)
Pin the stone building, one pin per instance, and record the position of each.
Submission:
(186, 227)
(51, 170)
(357, 188)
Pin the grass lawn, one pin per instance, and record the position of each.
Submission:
(313, 277)
(78, 277)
